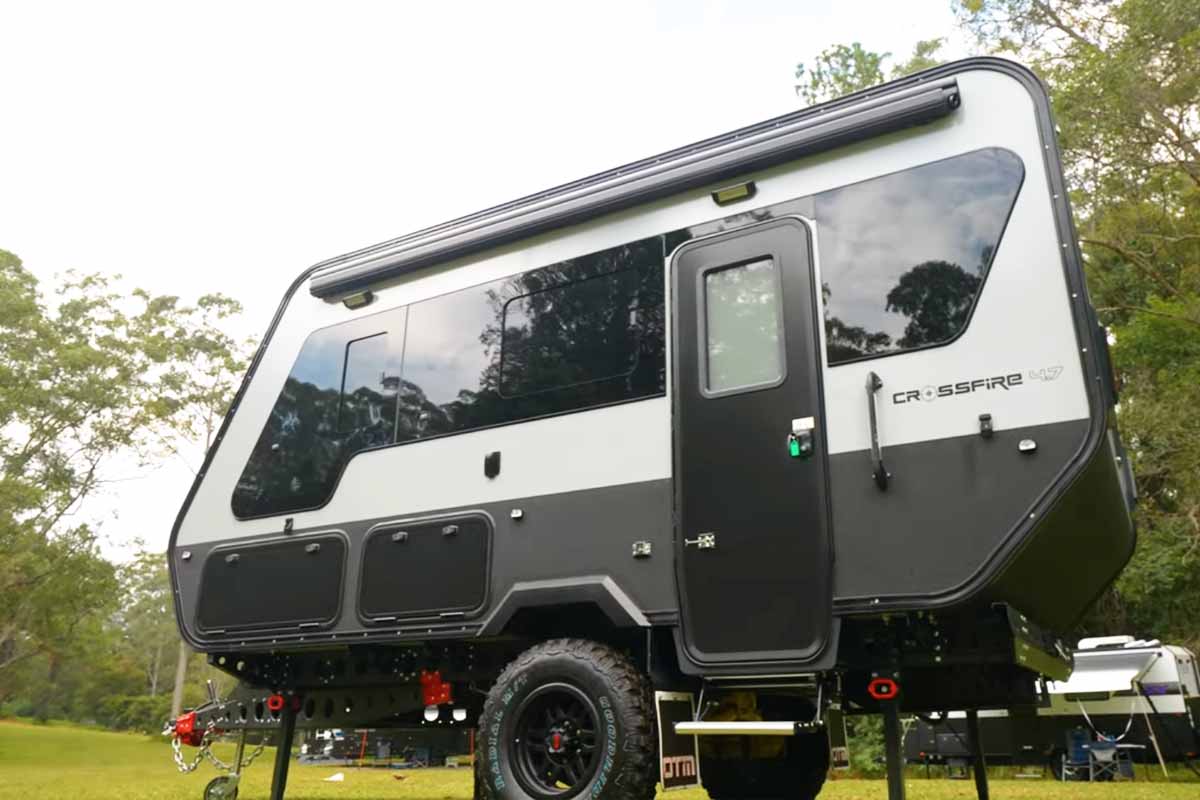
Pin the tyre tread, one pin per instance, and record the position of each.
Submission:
(615, 670)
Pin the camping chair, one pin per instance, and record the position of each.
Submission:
(1076, 759)
(1103, 763)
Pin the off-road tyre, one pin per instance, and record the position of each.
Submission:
(799, 774)
(582, 674)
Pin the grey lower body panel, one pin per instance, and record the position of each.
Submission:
(948, 507)
(976, 519)
(583, 537)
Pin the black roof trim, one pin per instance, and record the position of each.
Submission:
(803, 133)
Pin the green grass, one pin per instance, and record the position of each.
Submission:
(58, 761)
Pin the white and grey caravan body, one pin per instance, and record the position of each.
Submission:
(822, 396)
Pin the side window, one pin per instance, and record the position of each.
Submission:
(580, 332)
(339, 399)
(742, 327)
(572, 335)
(904, 256)
(368, 401)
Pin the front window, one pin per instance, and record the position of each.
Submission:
(904, 256)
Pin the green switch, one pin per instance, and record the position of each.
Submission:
(800, 445)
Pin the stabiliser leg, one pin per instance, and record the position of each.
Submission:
(283, 752)
(240, 754)
(977, 760)
(892, 740)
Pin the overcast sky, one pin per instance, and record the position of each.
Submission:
(198, 147)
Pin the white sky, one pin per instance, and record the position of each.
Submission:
(216, 146)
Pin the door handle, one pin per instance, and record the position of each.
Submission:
(800, 440)
(879, 471)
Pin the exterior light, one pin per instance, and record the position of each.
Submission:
(735, 193)
(358, 299)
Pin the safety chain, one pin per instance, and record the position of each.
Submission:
(205, 752)
(177, 749)
(258, 751)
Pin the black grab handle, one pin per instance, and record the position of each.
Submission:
(879, 471)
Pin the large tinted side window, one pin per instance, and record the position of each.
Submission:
(572, 335)
(903, 257)
(339, 399)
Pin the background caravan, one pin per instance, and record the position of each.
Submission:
(1143, 695)
(800, 419)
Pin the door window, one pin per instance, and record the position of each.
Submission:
(743, 336)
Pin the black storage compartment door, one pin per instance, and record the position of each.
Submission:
(275, 585)
(425, 568)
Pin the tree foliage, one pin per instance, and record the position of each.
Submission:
(86, 375)
(839, 70)
(842, 69)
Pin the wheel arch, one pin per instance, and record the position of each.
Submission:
(540, 599)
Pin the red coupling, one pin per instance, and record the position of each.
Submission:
(275, 703)
(883, 689)
(434, 689)
(186, 730)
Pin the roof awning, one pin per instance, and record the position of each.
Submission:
(1105, 671)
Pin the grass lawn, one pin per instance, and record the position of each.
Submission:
(57, 761)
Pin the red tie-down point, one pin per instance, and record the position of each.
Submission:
(883, 689)
(435, 690)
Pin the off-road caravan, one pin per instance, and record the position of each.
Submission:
(679, 457)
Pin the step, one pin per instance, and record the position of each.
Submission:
(744, 728)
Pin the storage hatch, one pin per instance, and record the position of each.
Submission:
(280, 584)
(425, 568)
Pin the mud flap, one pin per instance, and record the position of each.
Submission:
(678, 760)
(839, 741)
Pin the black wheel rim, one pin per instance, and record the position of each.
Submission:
(556, 752)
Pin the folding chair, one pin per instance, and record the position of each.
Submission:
(1102, 761)
(1076, 760)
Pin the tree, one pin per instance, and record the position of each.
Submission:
(146, 617)
(89, 375)
(838, 71)
(843, 69)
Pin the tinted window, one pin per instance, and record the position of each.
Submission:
(340, 398)
(742, 326)
(368, 399)
(580, 333)
(573, 335)
(903, 256)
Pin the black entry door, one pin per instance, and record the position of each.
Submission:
(753, 529)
